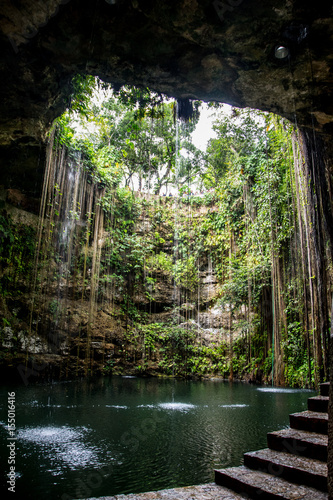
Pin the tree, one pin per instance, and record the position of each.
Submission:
(141, 125)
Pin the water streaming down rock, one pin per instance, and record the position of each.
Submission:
(70, 215)
(92, 306)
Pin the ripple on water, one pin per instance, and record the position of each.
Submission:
(63, 444)
(37, 404)
(177, 406)
(32, 403)
(121, 407)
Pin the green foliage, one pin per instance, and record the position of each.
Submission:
(298, 376)
(160, 262)
(17, 252)
(107, 164)
(179, 351)
(143, 101)
(7, 236)
(108, 368)
(240, 233)
(83, 88)
(133, 131)
(53, 307)
(64, 132)
(186, 273)
(296, 357)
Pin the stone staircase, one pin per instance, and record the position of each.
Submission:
(294, 466)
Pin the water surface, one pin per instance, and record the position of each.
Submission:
(120, 435)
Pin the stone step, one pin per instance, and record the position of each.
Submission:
(318, 403)
(208, 491)
(292, 468)
(303, 443)
(324, 389)
(309, 421)
(260, 485)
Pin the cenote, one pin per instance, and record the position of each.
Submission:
(129, 249)
(89, 438)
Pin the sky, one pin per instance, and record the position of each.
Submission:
(203, 131)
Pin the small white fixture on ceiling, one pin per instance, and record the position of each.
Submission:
(281, 52)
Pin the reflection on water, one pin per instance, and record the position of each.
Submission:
(233, 406)
(118, 435)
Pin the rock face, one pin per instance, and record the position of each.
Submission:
(58, 316)
(199, 49)
(212, 50)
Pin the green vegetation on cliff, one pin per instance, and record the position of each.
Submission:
(154, 257)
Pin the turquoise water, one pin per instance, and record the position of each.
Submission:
(119, 435)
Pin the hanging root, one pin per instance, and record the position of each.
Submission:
(185, 109)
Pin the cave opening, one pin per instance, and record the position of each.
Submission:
(155, 256)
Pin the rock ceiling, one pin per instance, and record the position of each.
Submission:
(220, 50)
